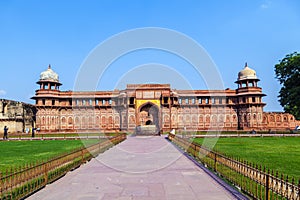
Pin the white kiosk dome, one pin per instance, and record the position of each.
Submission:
(247, 73)
(49, 75)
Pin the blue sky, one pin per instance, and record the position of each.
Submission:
(36, 33)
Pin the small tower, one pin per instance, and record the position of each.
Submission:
(249, 100)
(47, 100)
(49, 88)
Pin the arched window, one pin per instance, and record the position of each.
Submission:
(221, 118)
(227, 118)
(200, 118)
(265, 119)
(194, 118)
(63, 120)
(187, 118)
(254, 116)
(132, 119)
(214, 118)
(97, 120)
(234, 118)
(77, 121)
(180, 119)
(259, 116)
(207, 119)
(278, 118)
(166, 118)
(173, 118)
(83, 121)
(70, 120)
(91, 121)
(117, 120)
(110, 120)
(103, 120)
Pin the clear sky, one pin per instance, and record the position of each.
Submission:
(36, 33)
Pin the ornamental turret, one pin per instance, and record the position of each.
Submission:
(47, 101)
(47, 94)
(249, 99)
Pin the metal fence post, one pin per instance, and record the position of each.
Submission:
(45, 173)
(267, 194)
(195, 151)
(215, 161)
(287, 187)
(82, 156)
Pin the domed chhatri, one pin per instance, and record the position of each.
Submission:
(247, 73)
(49, 75)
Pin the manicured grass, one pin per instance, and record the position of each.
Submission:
(280, 154)
(180, 132)
(18, 153)
(44, 135)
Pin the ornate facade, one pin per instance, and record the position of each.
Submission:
(156, 104)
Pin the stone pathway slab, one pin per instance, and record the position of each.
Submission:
(144, 168)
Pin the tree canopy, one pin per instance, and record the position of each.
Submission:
(288, 74)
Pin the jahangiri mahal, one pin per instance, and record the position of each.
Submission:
(156, 104)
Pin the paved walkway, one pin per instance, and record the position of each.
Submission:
(141, 168)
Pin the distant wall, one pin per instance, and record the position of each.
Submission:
(279, 121)
(17, 116)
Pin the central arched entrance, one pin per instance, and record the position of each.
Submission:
(149, 117)
(149, 114)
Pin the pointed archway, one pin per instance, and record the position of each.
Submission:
(149, 116)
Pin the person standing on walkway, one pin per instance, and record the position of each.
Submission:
(33, 132)
(5, 133)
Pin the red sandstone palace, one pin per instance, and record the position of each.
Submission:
(156, 104)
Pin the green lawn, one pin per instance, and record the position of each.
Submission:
(18, 153)
(44, 135)
(280, 154)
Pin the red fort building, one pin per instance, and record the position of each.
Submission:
(156, 105)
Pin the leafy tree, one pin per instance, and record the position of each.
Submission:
(288, 74)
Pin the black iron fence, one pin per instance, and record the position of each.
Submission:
(255, 181)
(21, 182)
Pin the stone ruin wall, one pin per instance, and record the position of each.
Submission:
(17, 116)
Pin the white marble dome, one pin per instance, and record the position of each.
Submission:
(247, 73)
(49, 75)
